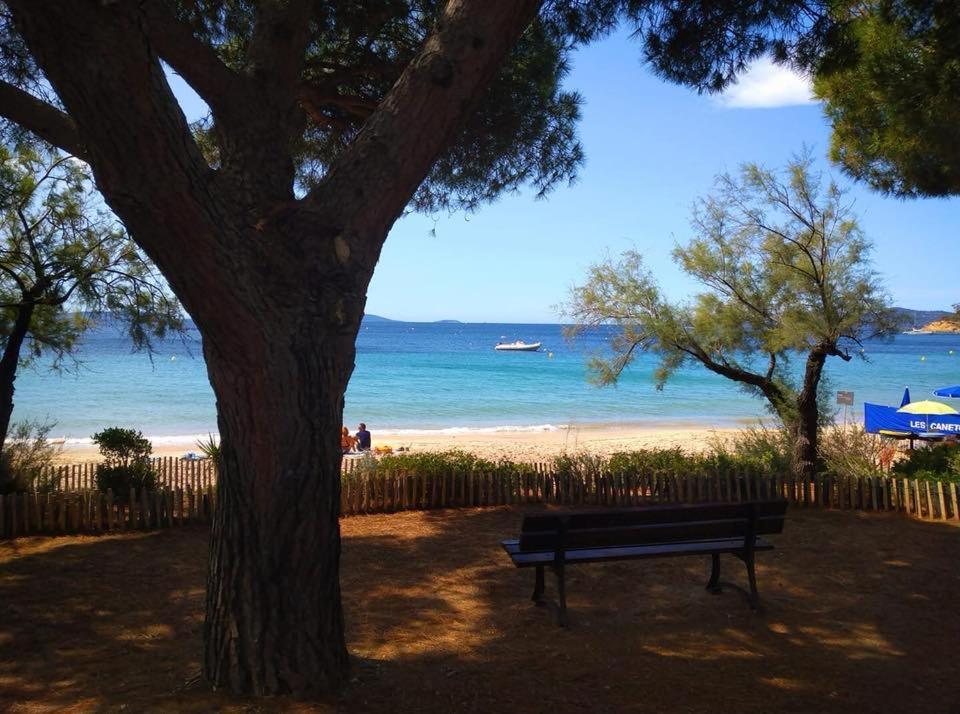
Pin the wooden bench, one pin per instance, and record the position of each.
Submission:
(557, 540)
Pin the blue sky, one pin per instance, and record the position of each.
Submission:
(651, 149)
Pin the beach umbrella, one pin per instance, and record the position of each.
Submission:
(949, 392)
(906, 397)
(927, 407)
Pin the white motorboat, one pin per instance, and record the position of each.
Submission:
(518, 346)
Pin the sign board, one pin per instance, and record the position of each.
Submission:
(845, 398)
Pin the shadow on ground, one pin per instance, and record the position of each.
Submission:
(859, 613)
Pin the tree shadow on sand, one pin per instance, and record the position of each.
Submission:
(859, 611)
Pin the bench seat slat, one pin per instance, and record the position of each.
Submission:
(659, 550)
(773, 510)
(645, 533)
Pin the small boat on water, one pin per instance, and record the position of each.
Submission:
(518, 346)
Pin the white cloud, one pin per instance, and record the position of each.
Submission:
(766, 85)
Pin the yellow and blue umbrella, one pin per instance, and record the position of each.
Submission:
(926, 409)
(927, 406)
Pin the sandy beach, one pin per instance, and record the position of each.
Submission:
(515, 445)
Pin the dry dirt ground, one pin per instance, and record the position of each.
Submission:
(860, 615)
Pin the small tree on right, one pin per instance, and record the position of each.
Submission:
(788, 276)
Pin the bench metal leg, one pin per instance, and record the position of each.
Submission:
(538, 587)
(713, 585)
(562, 592)
(752, 575)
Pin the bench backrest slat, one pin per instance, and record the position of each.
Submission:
(652, 524)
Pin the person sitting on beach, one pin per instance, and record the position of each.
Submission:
(363, 438)
(347, 442)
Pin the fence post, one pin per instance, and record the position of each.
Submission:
(12, 498)
(25, 510)
(132, 512)
(941, 501)
(48, 519)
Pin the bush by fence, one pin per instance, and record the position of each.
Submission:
(367, 486)
(170, 472)
(384, 491)
(387, 491)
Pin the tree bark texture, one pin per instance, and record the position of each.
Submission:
(8, 367)
(806, 427)
(276, 285)
(274, 620)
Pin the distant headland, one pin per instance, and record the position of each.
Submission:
(379, 318)
(929, 321)
(942, 326)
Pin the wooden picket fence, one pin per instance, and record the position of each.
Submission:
(365, 490)
(95, 512)
(172, 472)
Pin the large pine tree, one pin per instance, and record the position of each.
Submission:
(327, 121)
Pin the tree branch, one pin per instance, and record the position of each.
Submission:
(139, 142)
(198, 63)
(398, 145)
(727, 370)
(44, 120)
(15, 277)
(278, 41)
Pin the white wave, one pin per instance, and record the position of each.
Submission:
(162, 440)
(468, 430)
(192, 439)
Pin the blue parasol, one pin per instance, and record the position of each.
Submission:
(949, 392)
(906, 397)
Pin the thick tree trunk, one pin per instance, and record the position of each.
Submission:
(806, 425)
(276, 285)
(8, 368)
(274, 620)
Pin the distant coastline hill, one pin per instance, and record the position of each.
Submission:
(945, 326)
(379, 318)
(927, 320)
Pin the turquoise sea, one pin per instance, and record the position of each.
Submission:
(447, 376)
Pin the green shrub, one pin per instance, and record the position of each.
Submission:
(26, 453)
(652, 460)
(757, 448)
(585, 466)
(851, 451)
(121, 478)
(434, 463)
(935, 463)
(428, 463)
(210, 447)
(126, 461)
(122, 446)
